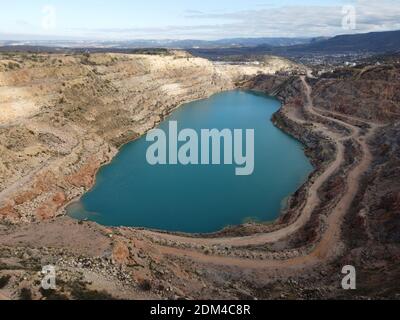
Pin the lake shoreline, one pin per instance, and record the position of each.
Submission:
(163, 117)
(236, 228)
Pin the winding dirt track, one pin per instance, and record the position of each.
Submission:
(330, 240)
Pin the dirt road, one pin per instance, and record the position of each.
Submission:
(330, 243)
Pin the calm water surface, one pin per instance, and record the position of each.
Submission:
(130, 192)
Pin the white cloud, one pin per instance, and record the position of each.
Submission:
(266, 21)
(308, 20)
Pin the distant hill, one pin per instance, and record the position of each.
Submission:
(230, 49)
(242, 42)
(378, 42)
(230, 53)
(375, 42)
(171, 44)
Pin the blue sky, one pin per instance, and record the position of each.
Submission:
(183, 19)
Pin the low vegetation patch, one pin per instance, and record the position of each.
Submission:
(81, 292)
(4, 280)
(25, 294)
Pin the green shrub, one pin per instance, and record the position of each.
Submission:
(81, 292)
(25, 294)
(145, 285)
(53, 295)
(4, 281)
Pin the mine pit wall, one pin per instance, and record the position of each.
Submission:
(83, 109)
(371, 227)
(321, 151)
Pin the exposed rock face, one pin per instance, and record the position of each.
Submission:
(120, 253)
(376, 217)
(63, 116)
(385, 223)
(371, 228)
(370, 92)
(282, 65)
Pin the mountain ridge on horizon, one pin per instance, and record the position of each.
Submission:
(187, 43)
(373, 42)
(169, 43)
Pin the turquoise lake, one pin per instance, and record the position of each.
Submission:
(201, 198)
